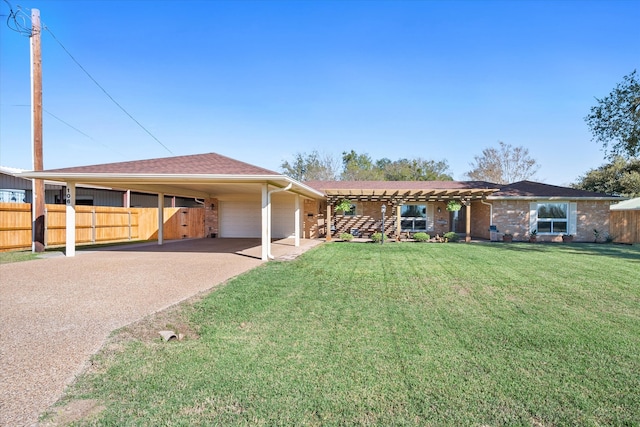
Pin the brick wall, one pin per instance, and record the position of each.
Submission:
(368, 220)
(592, 215)
(211, 209)
(513, 217)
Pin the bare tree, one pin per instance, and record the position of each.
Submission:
(503, 165)
(312, 167)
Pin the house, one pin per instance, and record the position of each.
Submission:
(517, 209)
(240, 200)
(246, 201)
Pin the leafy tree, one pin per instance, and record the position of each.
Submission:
(503, 165)
(360, 167)
(311, 167)
(415, 170)
(620, 177)
(615, 121)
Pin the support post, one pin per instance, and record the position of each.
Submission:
(327, 222)
(398, 223)
(265, 224)
(160, 218)
(70, 234)
(296, 224)
(468, 222)
(37, 202)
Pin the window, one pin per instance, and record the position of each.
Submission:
(553, 218)
(416, 218)
(351, 212)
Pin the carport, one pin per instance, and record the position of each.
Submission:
(246, 192)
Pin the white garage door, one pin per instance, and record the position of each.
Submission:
(240, 219)
(282, 212)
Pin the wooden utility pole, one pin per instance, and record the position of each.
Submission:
(37, 202)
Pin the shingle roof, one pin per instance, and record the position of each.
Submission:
(401, 185)
(211, 163)
(538, 189)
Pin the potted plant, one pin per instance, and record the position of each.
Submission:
(454, 206)
(533, 236)
(343, 206)
(507, 237)
(567, 238)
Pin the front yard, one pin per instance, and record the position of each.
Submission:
(395, 334)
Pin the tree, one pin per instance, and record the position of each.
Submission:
(615, 121)
(359, 167)
(620, 177)
(311, 167)
(415, 170)
(503, 165)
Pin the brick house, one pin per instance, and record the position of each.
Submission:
(246, 201)
(517, 209)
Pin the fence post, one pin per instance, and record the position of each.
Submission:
(46, 227)
(129, 214)
(93, 225)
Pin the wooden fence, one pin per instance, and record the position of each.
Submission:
(624, 226)
(97, 224)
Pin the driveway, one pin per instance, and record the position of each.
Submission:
(57, 312)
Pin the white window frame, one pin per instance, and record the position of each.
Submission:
(428, 218)
(570, 219)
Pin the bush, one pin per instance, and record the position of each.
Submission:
(421, 237)
(377, 237)
(451, 237)
(347, 237)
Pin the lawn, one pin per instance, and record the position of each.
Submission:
(396, 334)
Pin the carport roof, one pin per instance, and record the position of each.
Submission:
(200, 175)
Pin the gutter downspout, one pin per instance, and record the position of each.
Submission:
(490, 210)
(490, 214)
(269, 193)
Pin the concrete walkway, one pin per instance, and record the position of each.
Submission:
(57, 312)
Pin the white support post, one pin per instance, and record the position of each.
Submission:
(70, 237)
(160, 218)
(296, 226)
(265, 224)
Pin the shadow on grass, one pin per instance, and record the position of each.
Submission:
(631, 252)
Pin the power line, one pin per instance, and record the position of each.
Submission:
(22, 29)
(72, 127)
(19, 20)
(105, 91)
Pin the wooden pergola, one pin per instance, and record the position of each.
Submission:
(398, 197)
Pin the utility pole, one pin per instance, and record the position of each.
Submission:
(37, 202)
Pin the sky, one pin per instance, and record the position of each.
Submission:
(260, 81)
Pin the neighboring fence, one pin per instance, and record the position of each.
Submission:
(624, 226)
(96, 224)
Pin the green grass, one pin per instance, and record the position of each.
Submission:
(398, 334)
(16, 256)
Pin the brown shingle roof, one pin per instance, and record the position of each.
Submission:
(211, 163)
(401, 185)
(538, 189)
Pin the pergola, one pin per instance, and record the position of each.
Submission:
(466, 192)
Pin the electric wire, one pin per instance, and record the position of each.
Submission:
(72, 127)
(104, 90)
(23, 30)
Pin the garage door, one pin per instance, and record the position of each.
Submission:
(282, 212)
(240, 219)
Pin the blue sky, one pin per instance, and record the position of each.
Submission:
(260, 81)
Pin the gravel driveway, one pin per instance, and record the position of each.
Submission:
(57, 312)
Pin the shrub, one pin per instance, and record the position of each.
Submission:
(347, 237)
(451, 236)
(421, 237)
(377, 237)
